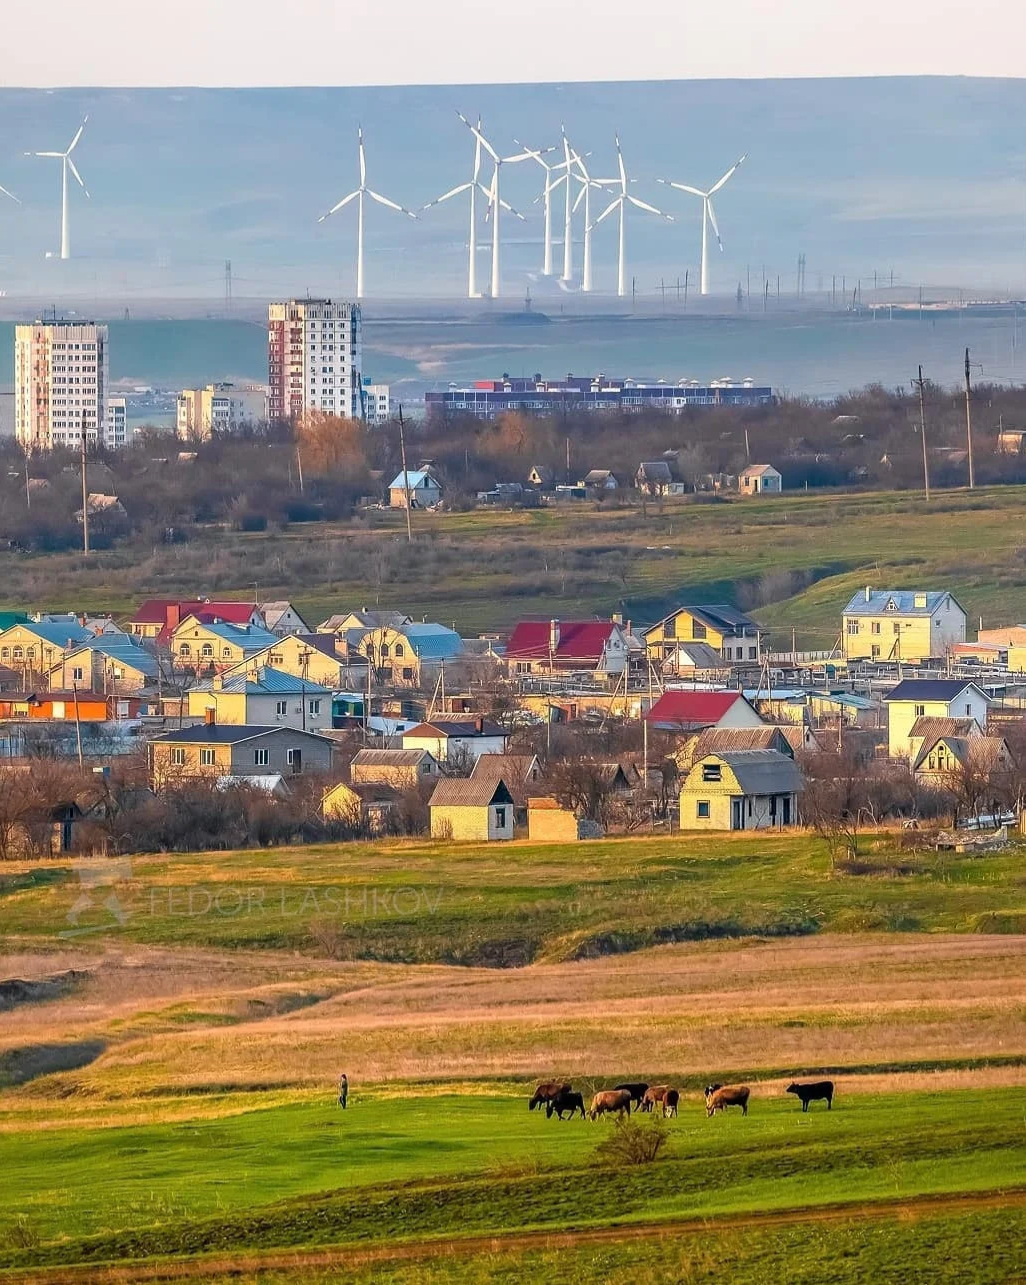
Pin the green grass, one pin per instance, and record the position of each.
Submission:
(427, 902)
(409, 1167)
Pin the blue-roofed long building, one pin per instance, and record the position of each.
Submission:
(901, 624)
(216, 644)
(115, 664)
(34, 647)
(412, 654)
(487, 398)
(269, 697)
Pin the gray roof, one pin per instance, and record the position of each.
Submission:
(934, 728)
(726, 740)
(932, 689)
(389, 758)
(760, 771)
(470, 792)
(896, 602)
(229, 734)
(655, 471)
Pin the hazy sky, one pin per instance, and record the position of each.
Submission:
(384, 42)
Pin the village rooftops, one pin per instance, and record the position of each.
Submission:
(264, 681)
(57, 635)
(896, 602)
(432, 641)
(583, 640)
(455, 729)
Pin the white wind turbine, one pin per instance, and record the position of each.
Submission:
(495, 202)
(66, 164)
(587, 183)
(708, 215)
(621, 202)
(357, 195)
(550, 186)
(568, 231)
(473, 187)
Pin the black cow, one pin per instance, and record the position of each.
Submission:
(637, 1091)
(815, 1092)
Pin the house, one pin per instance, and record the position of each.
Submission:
(313, 657)
(917, 698)
(344, 622)
(740, 790)
(158, 617)
(732, 633)
(1011, 441)
(106, 664)
(716, 740)
(760, 479)
(688, 711)
(411, 654)
(281, 618)
(209, 749)
(424, 489)
(520, 772)
(542, 477)
(598, 647)
(943, 757)
(401, 769)
(465, 809)
(1013, 639)
(216, 645)
(901, 624)
(599, 479)
(262, 697)
(9, 618)
(36, 647)
(453, 740)
(695, 660)
(928, 730)
(55, 705)
(368, 805)
(656, 477)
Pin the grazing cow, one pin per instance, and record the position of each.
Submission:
(569, 1102)
(545, 1092)
(732, 1096)
(654, 1096)
(814, 1092)
(670, 1102)
(711, 1089)
(611, 1101)
(637, 1091)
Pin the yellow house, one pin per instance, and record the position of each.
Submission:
(308, 656)
(410, 654)
(217, 645)
(468, 809)
(942, 758)
(740, 790)
(37, 648)
(735, 636)
(901, 624)
(916, 698)
(361, 805)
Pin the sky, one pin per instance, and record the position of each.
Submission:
(390, 42)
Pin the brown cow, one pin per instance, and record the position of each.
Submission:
(670, 1100)
(654, 1095)
(547, 1091)
(611, 1101)
(730, 1096)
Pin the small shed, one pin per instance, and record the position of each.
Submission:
(759, 479)
(425, 490)
(469, 809)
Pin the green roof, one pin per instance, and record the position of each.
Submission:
(8, 619)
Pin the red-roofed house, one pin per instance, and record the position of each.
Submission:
(564, 646)
(160, 617)
(694, 711)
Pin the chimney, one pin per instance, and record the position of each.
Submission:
(479, 726)
(553, 635)
(174, 615)
(217, 683)
(210, 716)
(869, 592)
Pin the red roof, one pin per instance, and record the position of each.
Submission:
(692, 709)
(153, 611)
(582, 640)
(156, 611)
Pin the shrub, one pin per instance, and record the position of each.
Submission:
(633, 1143)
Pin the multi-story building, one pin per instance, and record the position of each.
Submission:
(117, 433)
(901, 624)
(314, 357)
(219, 408)
(375, 403)
(60, 383)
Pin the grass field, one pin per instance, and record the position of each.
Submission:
(486, 569)
(167, 1090)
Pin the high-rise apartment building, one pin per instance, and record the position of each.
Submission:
(314, 357)
(60, 383)
(219, 408)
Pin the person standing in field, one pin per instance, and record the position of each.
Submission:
(343, 1090)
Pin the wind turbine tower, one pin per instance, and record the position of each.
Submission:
(66, 164)
(620, 202)
(546, 197)
(358, 195)
(708, 215)
(495, 202)
(473, 187)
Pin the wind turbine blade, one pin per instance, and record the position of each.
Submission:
(71, 166)
(335, 208)
(55, 154)
(10, 194)
(580, 198)
(644, 205)
(383, 200)
(712, 220)
(520, 156)
(74, 141)
(484, 143)
(363, 159)
(682, 187)
(608, 210)
(506, 206)
(455, 191)
(619, 161)
(716, 186)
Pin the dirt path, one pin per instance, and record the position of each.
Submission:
(348, 1258)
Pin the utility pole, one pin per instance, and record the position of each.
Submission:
(406, 475)
(687, 274)
(922, 431)
(28, 489)
(969, 419)
(78, 725)
(299, 465)
(568, 461)
(85, 491)
(227, 285)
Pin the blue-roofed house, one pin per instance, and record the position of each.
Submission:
(34, 647)
(216, 645)
(268, 697)
(412, 654)
(901, 624)
(116, 664)
(424, 489)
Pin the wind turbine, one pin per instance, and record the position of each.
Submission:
(708, 215)
(66, 164)
(10, 194)
(587, 183)
(473, 187)
(495, 202)
(568, 231)
(621, 202)
(357, 195)
(546, 196)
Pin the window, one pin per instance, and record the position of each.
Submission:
(702, 809)
(712, 772)
(226, 652)
(968, 710)
(206, 650)
(261, 758)
(177, 756)
(875, 628)
(523, 666)
(920, 711)
(281, 709)
(500, 818)
(208, 757)
(400, 650)
(77, 675)
(753, 653)
(383, 652)
(294, 758)
(314, 708)
(897, 626)
(698, 630)
(408, 673)
(18, 653)
(853, 627)
(670, 628)
(874, 651)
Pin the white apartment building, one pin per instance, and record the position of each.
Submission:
(117, 422)
(314, 358)
(219, 408)
(376, 406)
(60, 381)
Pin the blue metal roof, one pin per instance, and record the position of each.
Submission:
(268, 682)
(416, 478)
(432, 641)
(896, 602)
(249, 637)
(58, 635)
